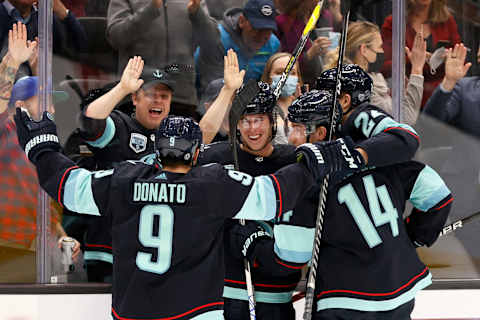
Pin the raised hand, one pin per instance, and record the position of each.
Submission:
(193, 6)
(130, 80)
(157, 3)
(19, 48)
(232, 76)
(455, 66)
(418, 54)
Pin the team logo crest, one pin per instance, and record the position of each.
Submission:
(138, 142)
(158, 74)
(267, 10)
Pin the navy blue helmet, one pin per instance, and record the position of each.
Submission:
(263, 102)
(314, 109)
(355, 81)
(178, 138)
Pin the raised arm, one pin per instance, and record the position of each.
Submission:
(19, 51)
(129, 83)
(233, 79)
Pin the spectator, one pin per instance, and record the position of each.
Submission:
(365, 48)
(214, 124)
(68, 35)
(216, 8)
(18, 196)
(439, 30)
(249, 32)
(162, 37)
(291, 23)
(291, 90)
(456, 99)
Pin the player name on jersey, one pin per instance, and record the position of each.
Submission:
(159, 192)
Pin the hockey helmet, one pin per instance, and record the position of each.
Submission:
(178, 138)
(263, 102)
(314, 108)
(354, 80)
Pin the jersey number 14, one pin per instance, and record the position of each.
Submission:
(348, 196)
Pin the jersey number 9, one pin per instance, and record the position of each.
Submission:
(162, 241)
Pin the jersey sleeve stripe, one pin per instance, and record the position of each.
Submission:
(99, 256)
(293, 243)
(388, 124)
(290, 285)
(429, 190)
(59, 197)
(288, 266)
(78, 193)
(279, 195)
(97, 246)
(260, 203)
(445, 203)
(106, 136)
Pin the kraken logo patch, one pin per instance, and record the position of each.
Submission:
(138, 142)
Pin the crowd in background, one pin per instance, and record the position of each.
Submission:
(204, 51)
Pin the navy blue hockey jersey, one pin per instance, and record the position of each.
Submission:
(116, 139)
(367, 259)
(275, 281)
(167, 227)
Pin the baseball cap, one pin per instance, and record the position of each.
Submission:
(260, 14)
(152, 76)
(213, 90)
(27, 87)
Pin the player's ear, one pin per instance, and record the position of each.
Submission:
(345, 100)
(321, 133)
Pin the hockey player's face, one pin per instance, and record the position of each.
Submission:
(152, 105)
(256, 131)
(254, 39)
(297, 133)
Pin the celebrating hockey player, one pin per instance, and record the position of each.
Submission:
(114, 136)
(167, 222)
(368, 267)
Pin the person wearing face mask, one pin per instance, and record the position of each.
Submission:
(365, 48)
(290, 91)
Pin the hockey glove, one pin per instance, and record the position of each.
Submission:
(242, 239)
(323, 158)
(35, 137)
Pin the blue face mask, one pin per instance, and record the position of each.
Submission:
(290, 85)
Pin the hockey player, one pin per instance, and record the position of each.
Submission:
(383, 140)
(257, 155)
(368, 267)
(114, 136)
(167, 223)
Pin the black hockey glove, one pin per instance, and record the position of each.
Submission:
(337, 156)
(35, 137)
(242, 239)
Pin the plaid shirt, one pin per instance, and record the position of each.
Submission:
(18, 189)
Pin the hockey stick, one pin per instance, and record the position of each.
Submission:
(310, 292)
(312, 22)
(449, 228)
(240, 102)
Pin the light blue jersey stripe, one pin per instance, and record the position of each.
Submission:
(78, 195)
(260, 296)
(429, 190)
(107, 135)
(261, 202)
(374, 306)
(97, 255)
(390, 123)
(210, 315)
(293, 243)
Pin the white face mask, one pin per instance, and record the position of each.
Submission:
(290, 85)
(437, 58)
